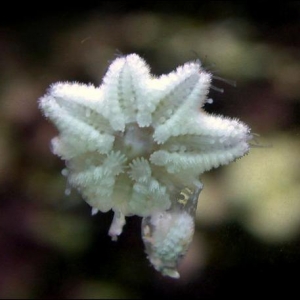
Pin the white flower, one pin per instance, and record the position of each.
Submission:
(138, 143)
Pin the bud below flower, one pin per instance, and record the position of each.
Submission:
(168, 234)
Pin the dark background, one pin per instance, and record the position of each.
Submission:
(247, 240)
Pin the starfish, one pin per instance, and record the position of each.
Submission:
(137, 145)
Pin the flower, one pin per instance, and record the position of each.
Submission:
(138, 145)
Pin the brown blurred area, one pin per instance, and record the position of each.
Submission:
(247, 240)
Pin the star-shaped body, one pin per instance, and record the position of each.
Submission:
(137, 143)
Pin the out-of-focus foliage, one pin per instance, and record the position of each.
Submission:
(248, 218)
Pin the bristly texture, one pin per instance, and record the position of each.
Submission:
(132, 144)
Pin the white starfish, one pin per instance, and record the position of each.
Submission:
(138, 145)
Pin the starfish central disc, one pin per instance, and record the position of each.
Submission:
(136, 141)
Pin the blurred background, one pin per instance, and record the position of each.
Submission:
(247, 238)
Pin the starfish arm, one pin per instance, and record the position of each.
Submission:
(97, 183)
(195, 162)
(148, 193)
(148, 197)
(215, 141)
(180, 115)
(172, 91)
(82, 101)
(124, 90)
(79, 133)
(207, 132)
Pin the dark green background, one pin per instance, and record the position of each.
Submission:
(50, 246)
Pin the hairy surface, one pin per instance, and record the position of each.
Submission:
(133, 143)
